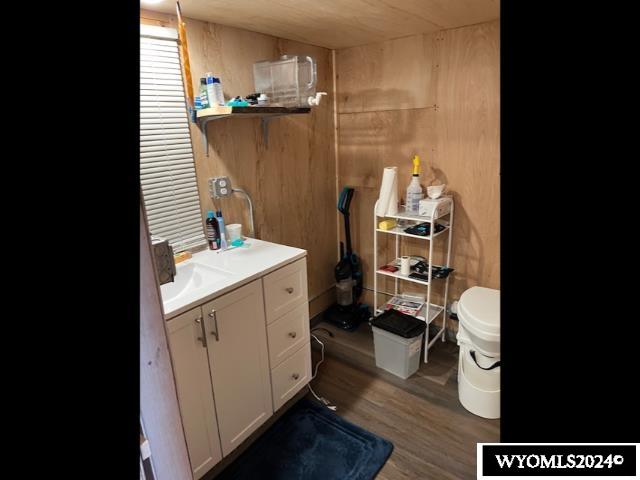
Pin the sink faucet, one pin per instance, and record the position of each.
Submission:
(165, 263)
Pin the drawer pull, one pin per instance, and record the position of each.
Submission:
(295, 376)
(289, 290)
(292, 334)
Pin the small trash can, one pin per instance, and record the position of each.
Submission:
(397, 342)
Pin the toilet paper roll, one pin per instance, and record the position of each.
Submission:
(389, 180)
(405, 265)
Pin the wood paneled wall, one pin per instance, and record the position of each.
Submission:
(293, 181)
(436, 95)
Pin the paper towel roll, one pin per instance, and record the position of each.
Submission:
(387, 189)
(405, 265)
(392, 208)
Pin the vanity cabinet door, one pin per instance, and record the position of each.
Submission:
(195, 394)
(239, 362)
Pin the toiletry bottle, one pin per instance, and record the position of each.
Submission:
(221, 230)
(414, 190)
(212, 231)
(217, 87)
(211, 91)
(204, 97)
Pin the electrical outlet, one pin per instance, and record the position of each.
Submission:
(219, 187)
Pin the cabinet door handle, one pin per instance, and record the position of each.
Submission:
(295, 376)
(212, 314)
(292, 334)
(203, 338)
(289, 290)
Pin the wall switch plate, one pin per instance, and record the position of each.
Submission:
(219, 187)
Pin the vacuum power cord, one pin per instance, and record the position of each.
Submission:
(323, 400)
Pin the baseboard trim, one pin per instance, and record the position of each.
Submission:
(321, 302)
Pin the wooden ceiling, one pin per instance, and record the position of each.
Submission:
(336, 23)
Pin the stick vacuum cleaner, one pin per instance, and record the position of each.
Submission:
(347, 313)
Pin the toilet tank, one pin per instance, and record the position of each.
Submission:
(479, 316)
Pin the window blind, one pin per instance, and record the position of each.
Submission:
(167, 168)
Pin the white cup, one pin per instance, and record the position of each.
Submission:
(434, 191)
(405, 266)
(234, 232)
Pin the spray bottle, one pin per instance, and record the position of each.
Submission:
(414, 190)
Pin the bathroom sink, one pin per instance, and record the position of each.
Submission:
(189, 277)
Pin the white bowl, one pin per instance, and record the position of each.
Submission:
(434, 191)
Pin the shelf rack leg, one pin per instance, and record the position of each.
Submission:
(398, 257)
(375, 260)
(446, 284)
(430, 263)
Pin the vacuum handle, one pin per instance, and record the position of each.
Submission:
(347, 233)
(473, 355)
(348, 201)
(344, 200)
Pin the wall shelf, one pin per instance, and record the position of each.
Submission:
(265, 114)
(400, 231)
(434, 311)
(399, 276)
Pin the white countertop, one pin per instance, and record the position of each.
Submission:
(211, 273)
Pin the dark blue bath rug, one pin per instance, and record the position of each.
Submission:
(310, 442)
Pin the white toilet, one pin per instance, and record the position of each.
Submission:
(479, 341)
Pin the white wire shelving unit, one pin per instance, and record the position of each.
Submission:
(430, 311)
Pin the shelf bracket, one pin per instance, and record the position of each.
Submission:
(265, 128)
(202, 124)
(265, 131)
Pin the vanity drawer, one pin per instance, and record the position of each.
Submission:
(291, 375)
(285, 289)
(288, 333)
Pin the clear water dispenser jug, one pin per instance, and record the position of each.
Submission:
(288, 82)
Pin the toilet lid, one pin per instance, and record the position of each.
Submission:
(479, 312)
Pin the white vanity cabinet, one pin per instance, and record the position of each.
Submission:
(238, 358)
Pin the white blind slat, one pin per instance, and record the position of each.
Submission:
(165, 157)
(177, 151)
(166, 142)
(167, 137)
(157, 195)
(169, 185)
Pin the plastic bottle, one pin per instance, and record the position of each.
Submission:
(414, 190)
(211, 91)
(221, 230)
(217, 86)
(204, 97)
(212, 231)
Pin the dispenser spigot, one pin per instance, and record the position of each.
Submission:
(316, 100)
